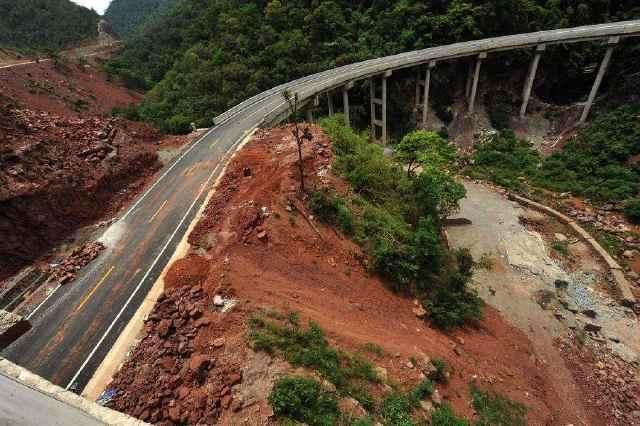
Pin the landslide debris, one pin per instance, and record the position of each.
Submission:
(79, 257)
(258, 244)
(60, 172)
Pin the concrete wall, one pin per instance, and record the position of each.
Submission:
(28, 399)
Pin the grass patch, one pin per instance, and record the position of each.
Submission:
(496, 410)
(444, 416)
(373, 348)
(308, 347)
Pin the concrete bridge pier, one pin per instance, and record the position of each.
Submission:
(382, 101)
(474, 85)
(613, 41)
(330, 103)
(528, 85)
(345, 101)
(422, 92)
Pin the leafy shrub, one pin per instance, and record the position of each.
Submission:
(178, 124)
(424, 148)
(302, 399)
(444, 416)
(496, 410)
(420, 392)
(332, 209)
(130, 112)
(632, 210)
(440, 375)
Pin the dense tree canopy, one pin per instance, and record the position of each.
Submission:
(45, 24)
(203, 56)
(126, 15)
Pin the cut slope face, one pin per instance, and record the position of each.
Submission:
(259, 245)
(65, 162)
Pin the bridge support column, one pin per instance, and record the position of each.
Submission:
(474, 86)
(345, 102)
(330, 103)
(533, 68)
(309, 116)
(382, 101)
(427, 84)
(467, 90)
(596, 84)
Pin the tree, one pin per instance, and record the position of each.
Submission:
(426, 148)
(300, 134)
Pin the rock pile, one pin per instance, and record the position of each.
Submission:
(79, 258)
(181, 382)
(611, 384)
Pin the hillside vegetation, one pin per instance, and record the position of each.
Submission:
(126, 15)
(204, 56)
(600, 163)
(40, 25)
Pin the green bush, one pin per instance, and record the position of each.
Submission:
(130, 112)
(303, 400)
(496, 410)
(632, 210)
(178, 124)
(440, 375)
(332, 209)
(444, 416)
(396, 217)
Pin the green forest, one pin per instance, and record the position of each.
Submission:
(125, 16)
(42, 25)
(204, 56)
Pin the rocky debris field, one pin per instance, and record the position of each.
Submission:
(66, 271)
(59, 173)
(180, 373)
(257, 245)
(555, 288)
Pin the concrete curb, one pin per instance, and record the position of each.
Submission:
(48, 390)
(624, 289)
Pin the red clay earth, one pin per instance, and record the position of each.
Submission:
(257, 243)
(65, 162)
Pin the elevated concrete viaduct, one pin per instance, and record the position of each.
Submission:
(381, 68)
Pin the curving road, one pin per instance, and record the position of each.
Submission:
(76, 326)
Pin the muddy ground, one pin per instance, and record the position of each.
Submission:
(555, 289)
(259, 245)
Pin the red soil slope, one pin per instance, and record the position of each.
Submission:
(251, 246)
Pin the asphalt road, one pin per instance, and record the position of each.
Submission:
(75, 328)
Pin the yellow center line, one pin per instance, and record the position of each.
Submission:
(157, 211)
(88, 296)
(189, 170)
(214, 143)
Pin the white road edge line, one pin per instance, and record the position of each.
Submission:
(135, 291)
(43, 302)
